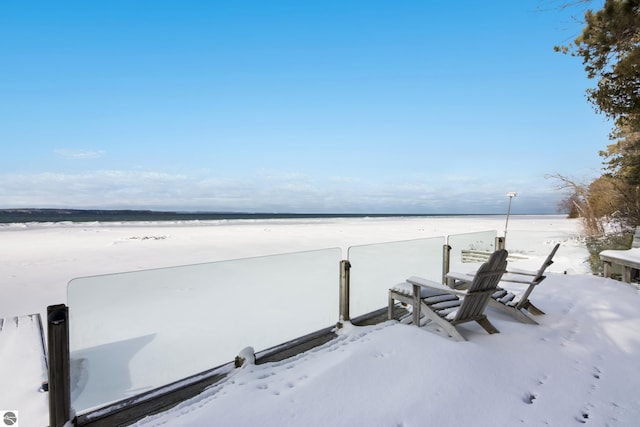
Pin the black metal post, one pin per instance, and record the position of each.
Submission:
(59, 374)
(345, 266)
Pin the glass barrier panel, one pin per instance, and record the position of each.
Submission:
(377, 267)
(131, 332)
(470, 250)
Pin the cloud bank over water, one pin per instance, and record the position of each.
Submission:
(273, 191)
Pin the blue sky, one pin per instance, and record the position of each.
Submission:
(293, 106)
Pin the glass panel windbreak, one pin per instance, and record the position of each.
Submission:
(469, 250)
(135, 331)
(377, 267)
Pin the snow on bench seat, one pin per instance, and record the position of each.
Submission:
(629, 260)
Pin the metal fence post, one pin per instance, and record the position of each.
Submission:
(446, 262)
(345, 266)
(59, 374)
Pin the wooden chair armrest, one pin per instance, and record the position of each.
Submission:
(521, 271)
(425, 283)
(520, 278)
(460, 276)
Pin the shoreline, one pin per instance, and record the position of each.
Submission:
(19, 216)
(258, 220)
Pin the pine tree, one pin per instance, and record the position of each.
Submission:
(610, 50)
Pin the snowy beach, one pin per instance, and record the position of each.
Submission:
(576, 366)
(39, 259)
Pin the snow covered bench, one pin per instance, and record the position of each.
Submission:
(628, 259)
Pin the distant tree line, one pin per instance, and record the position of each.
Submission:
(610, 50)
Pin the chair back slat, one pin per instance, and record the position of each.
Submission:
(484, 284)
(547, 262)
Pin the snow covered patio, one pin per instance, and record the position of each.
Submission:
(577, 367)
(23, 368)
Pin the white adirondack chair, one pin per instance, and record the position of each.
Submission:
(507, 301)
(445, 307)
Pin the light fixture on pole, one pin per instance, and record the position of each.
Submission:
(511, 195)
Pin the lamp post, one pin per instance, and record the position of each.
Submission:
(511, 195)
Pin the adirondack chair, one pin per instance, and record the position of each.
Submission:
(445, 307)
(508, 301)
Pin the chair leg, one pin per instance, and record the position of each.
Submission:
(533, 309)
(454, 333)
(519, 315)
(434, 321)
(449, 329)
(487, 325)
(416, 305)
(514, 311)
(392, 304)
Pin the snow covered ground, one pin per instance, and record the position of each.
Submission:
(577, 366)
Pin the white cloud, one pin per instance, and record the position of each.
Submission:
(79, 154)
(269, 192)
